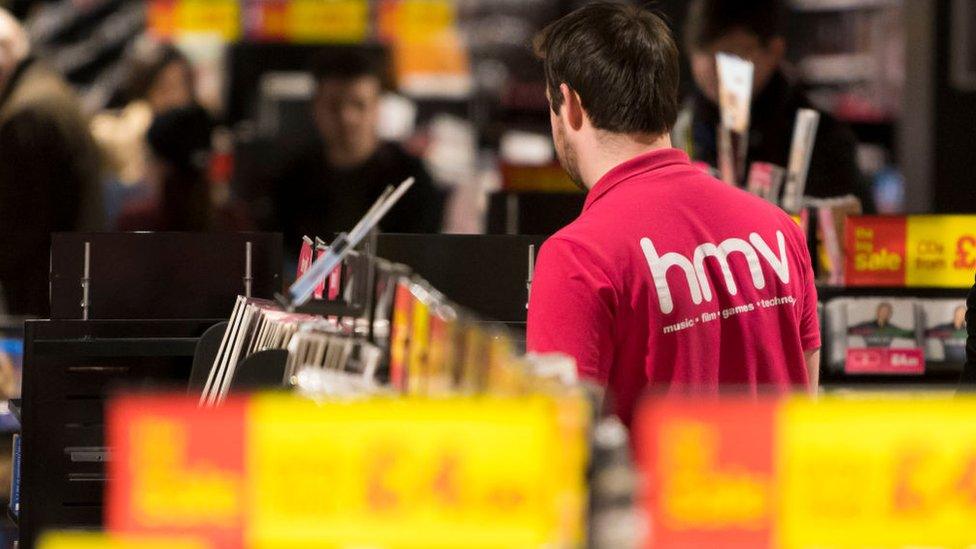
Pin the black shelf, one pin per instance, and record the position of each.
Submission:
(71, 369)
(830, 292)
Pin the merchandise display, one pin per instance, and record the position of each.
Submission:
(735, 98)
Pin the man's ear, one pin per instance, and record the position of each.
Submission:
(572, 108)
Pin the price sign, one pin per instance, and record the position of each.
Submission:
(413, 473)
(710, 473)
(802, 474)
(875, 251)
(942, 250)
(318, 21)
(279, 471)
(177, 469)
(169, 18)
(922, 250)
(878, 473)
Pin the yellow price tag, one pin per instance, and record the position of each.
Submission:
(941, 250)
(880, 474)
(327, 20)
(415, 473)
(222, 17)
(423, 20)
(91, 540)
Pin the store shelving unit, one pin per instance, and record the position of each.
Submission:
(937, 375)
(74, 366)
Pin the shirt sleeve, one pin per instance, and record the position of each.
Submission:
(809, 319)
(571, 309)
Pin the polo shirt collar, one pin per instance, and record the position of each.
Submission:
(635, 166)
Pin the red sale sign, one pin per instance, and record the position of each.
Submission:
(885, 361)
(177, 471)
(710, 474)
(875, 248)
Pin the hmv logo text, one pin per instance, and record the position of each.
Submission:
(694, 267)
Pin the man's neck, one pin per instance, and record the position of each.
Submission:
(615, 150)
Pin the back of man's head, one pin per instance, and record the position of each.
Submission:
(622, 62)
(711, 20)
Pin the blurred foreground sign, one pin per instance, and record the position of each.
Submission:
(796, 474)
(278, 471)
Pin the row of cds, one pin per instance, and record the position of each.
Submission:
(410, 339)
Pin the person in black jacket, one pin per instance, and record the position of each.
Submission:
(969, 373)
(332, 179)
(751, 29)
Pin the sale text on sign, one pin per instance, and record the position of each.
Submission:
(919, 250)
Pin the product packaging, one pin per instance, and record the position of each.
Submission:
(765, 181)
(944, 330)
(801, 150)
(882, 337)
(735, 77)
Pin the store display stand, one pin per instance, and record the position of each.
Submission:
(73, 367)
(128, 313)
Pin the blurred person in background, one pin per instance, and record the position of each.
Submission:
(49, 169)
(333, 179)
(159, 78)
(176, 172)
(753, 30)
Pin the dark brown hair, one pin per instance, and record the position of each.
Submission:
(621, 60)
(710, 20)
(349, 63)
(147, 60)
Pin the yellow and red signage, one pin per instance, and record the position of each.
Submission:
(167, 19)
(278, 471)
(799, 474)
(918, 250)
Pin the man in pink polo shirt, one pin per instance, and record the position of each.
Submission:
(669, 279)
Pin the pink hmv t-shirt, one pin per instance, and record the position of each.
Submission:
(673, 280)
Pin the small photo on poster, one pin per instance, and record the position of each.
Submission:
(881, 323)
(883, 337)
(944, 330)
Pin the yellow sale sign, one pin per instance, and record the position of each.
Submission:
(878, 474)
(327, 20)
(280, 471)
(918, 250)
(941, 250)
(411, 474)
(169, 18)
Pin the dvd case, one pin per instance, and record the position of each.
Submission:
(882, 337)
(944, 330)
